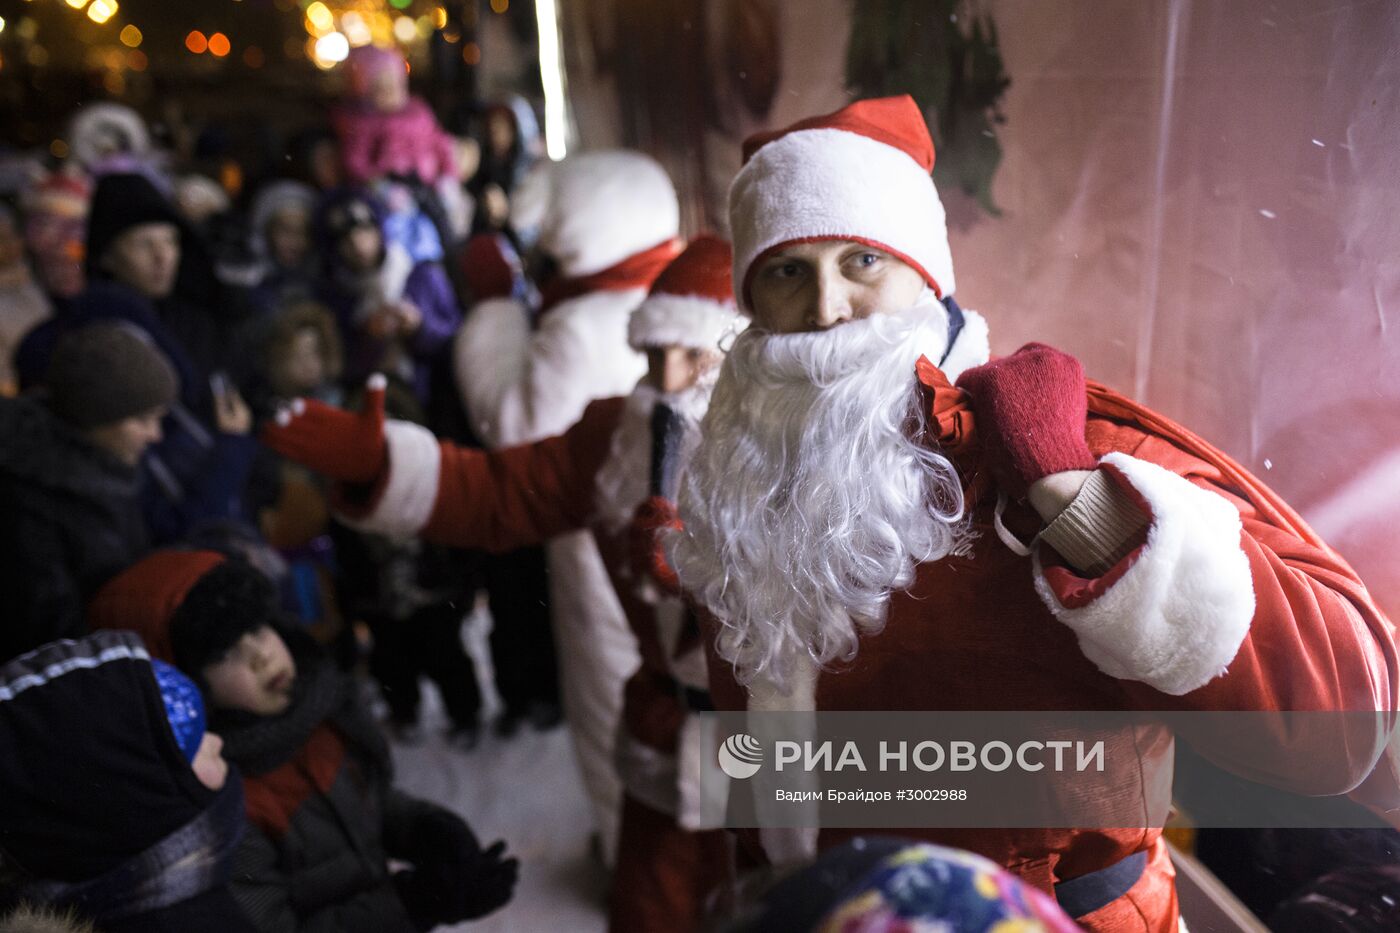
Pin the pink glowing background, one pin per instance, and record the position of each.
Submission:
(1203, 203)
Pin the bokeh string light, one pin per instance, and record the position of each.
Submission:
(347, 24)
(102, 10)
(329, 30)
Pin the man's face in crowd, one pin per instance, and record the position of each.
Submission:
(816, 286)
(128, 438)
(255, 676)
(289, 237)
(674, 368)
(146, 257)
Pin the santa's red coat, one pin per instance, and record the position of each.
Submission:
(1239, 607)
(526, 495)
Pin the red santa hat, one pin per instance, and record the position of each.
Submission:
(862, 173)
(691, 303)
(144, 597)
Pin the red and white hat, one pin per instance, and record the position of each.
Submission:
(862, 173)
(60, 195)
(691, 303)
(145, 596)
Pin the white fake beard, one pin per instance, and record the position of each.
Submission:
(811, 499)
(624, 481)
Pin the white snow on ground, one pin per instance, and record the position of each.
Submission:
(525, 790)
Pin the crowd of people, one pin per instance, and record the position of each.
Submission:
(147, 352)
(150, 327)
(240, 472)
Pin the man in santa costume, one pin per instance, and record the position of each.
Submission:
(866, 535)
(613, 475)
(609, 224)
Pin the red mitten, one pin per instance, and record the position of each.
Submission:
(1031, 409)
(648, 559)
(342, 445)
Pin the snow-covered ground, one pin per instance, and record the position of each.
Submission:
(524, 790)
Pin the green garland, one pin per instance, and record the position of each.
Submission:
(949, 61)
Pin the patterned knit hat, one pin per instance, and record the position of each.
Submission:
(862, 173)
(928, 887)
(882, 884)
(55, 230)
(184, 707)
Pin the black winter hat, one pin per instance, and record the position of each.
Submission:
(120, 203)
(102, 373)
(230, 600)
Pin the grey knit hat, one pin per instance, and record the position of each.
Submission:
(102, 373)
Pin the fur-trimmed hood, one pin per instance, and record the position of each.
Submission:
(271, 199)
(101, 131)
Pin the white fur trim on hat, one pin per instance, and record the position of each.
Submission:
(415, 468)
(93, 125)
(604, 207)
(1179, 614)
(688, 320)
(834, 184)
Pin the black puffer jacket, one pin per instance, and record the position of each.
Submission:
(324, 817)
(69, 520)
